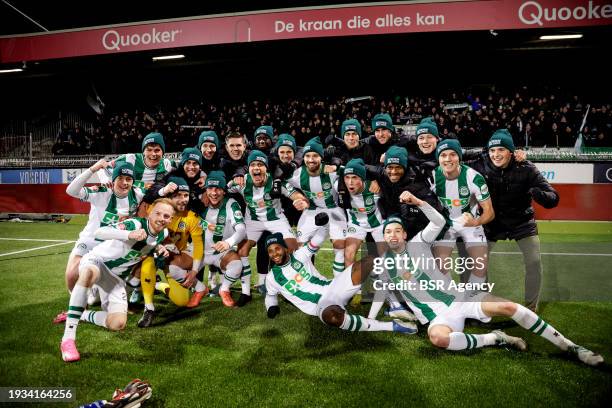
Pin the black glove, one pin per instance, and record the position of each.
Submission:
(276, 189)
(273, 311)
(321, 219)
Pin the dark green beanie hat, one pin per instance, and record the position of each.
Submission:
(216, 179)
(257, 155)
(180, 182)
(394, 219)
(191, 153)
(123, 169)
(356, 167)
(449, 144)
(314, 145)
(427, 125)
(209, 136)
(276, 238)
(351, 125)
(503, 138)
(397, 155)
(266, 130)
(286, 139)
(154, 138)
(382, 120)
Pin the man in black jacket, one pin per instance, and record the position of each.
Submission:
(395, 178)
(341, 151)
(384, 136)
(512, 186)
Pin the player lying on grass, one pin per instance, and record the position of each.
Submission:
(295, 277)
(107, 265)
(183, 266)
(446, 310)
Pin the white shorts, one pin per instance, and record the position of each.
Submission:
(339, 292)
(472, 236)
(468, 308)
(254, 229)
(84, 245)
(214, 259)
(306, 227)
(113, 296)
(360, 233)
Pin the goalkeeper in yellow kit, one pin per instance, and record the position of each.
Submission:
(183, 266)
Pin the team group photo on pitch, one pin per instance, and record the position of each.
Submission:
(392, 207)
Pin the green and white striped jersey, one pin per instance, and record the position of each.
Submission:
(143, 175)
(107, 208)
(223, 220)
(425, 303)
(364, 208)
(119, 256)
(321, 190)
(298, 281)
(260, 204)
(461, 194)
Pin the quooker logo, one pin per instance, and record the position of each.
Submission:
(113, 40)
(532, 12)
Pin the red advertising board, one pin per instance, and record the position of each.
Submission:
(401, 17)
(578, 201)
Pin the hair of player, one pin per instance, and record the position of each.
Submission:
(164, 201)
(235, 135)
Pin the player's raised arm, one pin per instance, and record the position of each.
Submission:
(76, 188)
(436, 220)
(128, 229)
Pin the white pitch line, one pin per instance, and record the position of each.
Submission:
(520, 253)
(37, 248)
(35, 240)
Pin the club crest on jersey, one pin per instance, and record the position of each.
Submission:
(181, 225)
(296, 264)
(369, 201)
(133, 208)
(351, 230)
(326, 186)
(267, 196)
(464, 191)
(221, 220)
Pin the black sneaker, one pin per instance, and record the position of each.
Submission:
(147, 318)
(243, 300)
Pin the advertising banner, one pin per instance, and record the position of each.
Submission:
(602, 173)
(570, 173)
(33, 176)
(334, 21)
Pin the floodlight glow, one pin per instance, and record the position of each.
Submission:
(168, 57)
(560, 37)
(6, 71)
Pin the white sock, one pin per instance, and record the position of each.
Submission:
(97, 318)
(532, 322)
(211, 279)
(261, 279)
(465, 341)
(245, 282)
(359, 323)
(149, 306)
(245, 278)
(231, 274)
(338, 266)
(199, 286)
(76, 306)
(177, 273)
(134, 282)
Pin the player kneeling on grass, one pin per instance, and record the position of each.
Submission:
(108, 206)
(296, 278)
(224, 228)
(183, 266)
(108, 265)
(446, 309)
